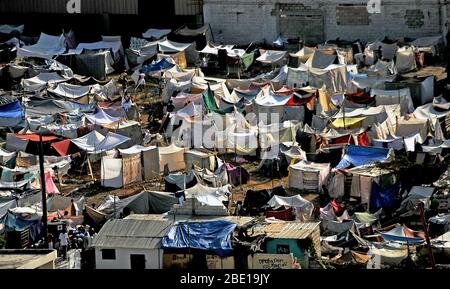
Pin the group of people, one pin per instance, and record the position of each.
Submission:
(80, 238)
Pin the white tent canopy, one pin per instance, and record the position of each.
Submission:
(46, 47)
(156, 33)
(303, 207)
(95, 142)
(168, 46)
(70, 90)
(272, 56)
(41, 80)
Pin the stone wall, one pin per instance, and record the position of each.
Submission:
(245, 21)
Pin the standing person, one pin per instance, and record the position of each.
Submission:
(379, 53)
(50, 241)
(64, 242)
(73, 208)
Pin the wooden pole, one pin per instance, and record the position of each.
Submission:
(427, 237)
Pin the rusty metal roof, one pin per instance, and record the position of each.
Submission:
(290, 230)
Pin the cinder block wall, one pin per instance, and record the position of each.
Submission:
(244, 21)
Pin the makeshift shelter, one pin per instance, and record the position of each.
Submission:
(403, 235)
(72, 92)
(179, 181)
(308, 176)
(118, 173)
(149, 159)
(303, 208)
(41, 81)
(102, 118)
(401, 97)
(46, 47)
(155, 33)
(95, 142)
(405, 59)
(11, 114)
(210, 236)
(172, 156)
(272, 57)
(360, 155)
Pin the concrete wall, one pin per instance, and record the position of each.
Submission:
(240, 22)
(153, 259)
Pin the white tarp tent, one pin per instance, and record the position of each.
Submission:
(41, 81)
(149, 157)
(308, 176)
(46, 47)
(71, 91)
(390, 97)
(155, 33)
(406, 60)
(95, 142)
(303, 208)
(173, 156)
(272, 56)
(8, 29)
(111, 173)
(168, 46)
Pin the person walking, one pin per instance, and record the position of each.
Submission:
(64, 242)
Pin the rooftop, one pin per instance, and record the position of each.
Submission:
(290, 230)
(26, 259)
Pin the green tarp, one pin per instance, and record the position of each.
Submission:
(210, 103)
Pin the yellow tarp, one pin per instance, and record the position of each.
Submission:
(349, 121)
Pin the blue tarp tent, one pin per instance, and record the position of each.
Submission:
(212, 236)
(383, 197)
(16, 223)
(163, 64)
(11, 110)
(360, 155)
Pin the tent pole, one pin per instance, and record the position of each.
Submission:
(427, 237)
(43, 190)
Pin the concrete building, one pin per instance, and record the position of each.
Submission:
(130, 244)
(241, 22)
(27, 259)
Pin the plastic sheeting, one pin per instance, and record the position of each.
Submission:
(70, 91)
(406, 60)
(155, 33)
(102, 118)
(361, 155)
(272, 56)
(41, 81)
(214, 236)
(173, 156)
(308, 176)
(46, 47)
(304, 208)
(96, 142)
(401, 234)
(168, 46)
(390, 97)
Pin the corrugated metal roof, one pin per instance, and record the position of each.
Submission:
(59, 6)
(132, 233)
(290, 230)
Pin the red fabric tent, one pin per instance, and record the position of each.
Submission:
(35, 137)
(65, 147)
